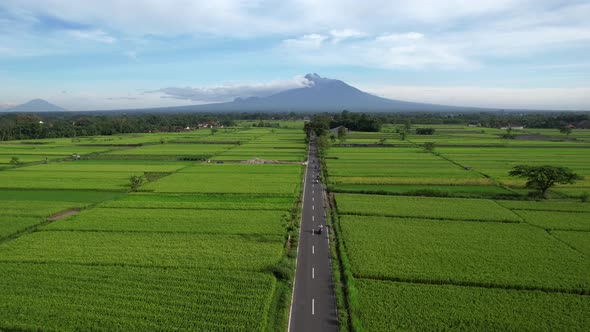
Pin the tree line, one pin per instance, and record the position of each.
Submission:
(56, 125)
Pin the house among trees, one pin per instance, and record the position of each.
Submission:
(336, 129)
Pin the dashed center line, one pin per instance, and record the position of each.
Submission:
(313, 250)
(312, 273)
(313, 306)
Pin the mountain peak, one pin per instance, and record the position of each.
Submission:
(36, 105)
(317, 79)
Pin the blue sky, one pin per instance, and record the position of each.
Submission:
(85, 55)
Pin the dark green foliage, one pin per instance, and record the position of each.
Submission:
(319, 125)
(191, 158)
(565, 130)
(424, 131)
(356, 121)
(428, 146)
(544, 177)
(135, 181)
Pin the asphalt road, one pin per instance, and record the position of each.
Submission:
(313, 307)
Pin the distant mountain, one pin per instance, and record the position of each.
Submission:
(322, 94)
(36, 105)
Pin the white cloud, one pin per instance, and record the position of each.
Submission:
(492, 97)
(92, 35)
(460, 29)
(340, 35)
(306, 41)
(396, 37)
(230, 91)
(390, 51)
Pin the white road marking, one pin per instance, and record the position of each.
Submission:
(313, 250)
(313, 306)
(313, 207)
(312, 218)
(312, 273)
(312, 198)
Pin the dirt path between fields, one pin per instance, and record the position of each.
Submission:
(63, 214)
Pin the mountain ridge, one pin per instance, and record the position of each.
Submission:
(322, 94)
(35, 105)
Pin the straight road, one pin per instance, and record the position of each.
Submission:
(313, 307)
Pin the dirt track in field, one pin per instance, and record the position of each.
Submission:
(63, 214)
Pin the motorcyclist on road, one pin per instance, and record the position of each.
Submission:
(320, 229)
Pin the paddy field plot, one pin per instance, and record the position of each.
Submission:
(232, 178)
(424, 207)
(565, 206)
(500, 255)
(497, 162)
(424, 189)
(579, 241)
(387, 306)
(81, 174)
(176, 150)
(174, 220)
(203, 201)
(247, 252)
(284, 147)
(391, 166)
(20, 210)
(550, 220)
(82, 297)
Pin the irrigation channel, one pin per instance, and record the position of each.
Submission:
(313, 306)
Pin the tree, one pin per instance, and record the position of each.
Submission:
(15, 160)
(214, 130)
(544, 177)
(509, 134)
(341, 134)
(428, 146)
(402, 135)
(565, 130)
(408, 125)
(424, 131)
(319, 125)
(135, 181)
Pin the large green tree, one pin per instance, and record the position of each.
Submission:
(544, 177)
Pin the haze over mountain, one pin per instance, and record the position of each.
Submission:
(322, 94)
(36, 105)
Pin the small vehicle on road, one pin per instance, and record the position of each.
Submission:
(320, 229)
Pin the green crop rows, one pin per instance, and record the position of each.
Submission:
(447, 240)
(70, 297)
(391, 306)
(200, 246)
(425, 207)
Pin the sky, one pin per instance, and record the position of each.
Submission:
(116, 54)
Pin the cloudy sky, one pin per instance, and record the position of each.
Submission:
(102, 54)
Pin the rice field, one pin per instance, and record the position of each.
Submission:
(200, 246)
(446, 240)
